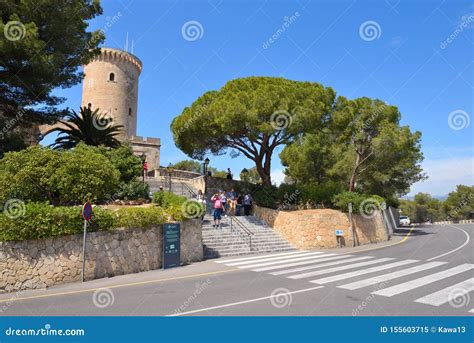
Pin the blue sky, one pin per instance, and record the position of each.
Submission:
(417, 55)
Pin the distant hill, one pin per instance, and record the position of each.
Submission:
(439, 197)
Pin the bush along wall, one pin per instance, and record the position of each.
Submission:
(41, 220)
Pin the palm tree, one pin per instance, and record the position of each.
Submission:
(90, 127)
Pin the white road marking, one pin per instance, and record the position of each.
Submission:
(244, 302)
(390, 276)
(408, 286)
(261, 256)
(313, 265)
(277, 262)
(450, 293)
(316, 259)
(362, 272)
(468, 238)
(336, 269)
(272, 259)
(471, 311)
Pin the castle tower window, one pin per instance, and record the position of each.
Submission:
(89, 105)
(129, 111)
(111, 77)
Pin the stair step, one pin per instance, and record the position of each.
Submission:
(227, 242)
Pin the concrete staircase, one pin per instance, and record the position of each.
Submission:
(177, 187)
(232, 242)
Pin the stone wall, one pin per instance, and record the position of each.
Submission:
(307, 229)
(46, 262)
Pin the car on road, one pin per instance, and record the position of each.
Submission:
(404, 221)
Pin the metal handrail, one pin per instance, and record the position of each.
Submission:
(241, 227)
(189, 189)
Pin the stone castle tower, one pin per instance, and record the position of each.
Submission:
(111, 85)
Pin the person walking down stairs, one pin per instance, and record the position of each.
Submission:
(217, 208)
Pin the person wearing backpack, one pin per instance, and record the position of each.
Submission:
(217, 210)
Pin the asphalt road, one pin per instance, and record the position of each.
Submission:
(429, 273)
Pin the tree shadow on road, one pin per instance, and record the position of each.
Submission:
(418, 231)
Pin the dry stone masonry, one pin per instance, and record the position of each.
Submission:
(306, 229)
(46, 262)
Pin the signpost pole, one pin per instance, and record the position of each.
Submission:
(87, 215)
(350, 227)
(84, 251)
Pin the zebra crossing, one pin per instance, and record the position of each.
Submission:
(330, 268)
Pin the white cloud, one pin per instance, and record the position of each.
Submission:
(444, 175)
(277, 176)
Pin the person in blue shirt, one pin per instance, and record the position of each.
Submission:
(247, 204)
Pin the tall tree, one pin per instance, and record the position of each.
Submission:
(252, 116)
(189, 165)
(363, 144)
(460, 203)
(42, 45)
(90, 127)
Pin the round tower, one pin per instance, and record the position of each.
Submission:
(111, 85)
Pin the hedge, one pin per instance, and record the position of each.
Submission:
(361, 203)
(41, 220)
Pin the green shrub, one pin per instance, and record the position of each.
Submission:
(129, 165)
(266, 197)
(139, 217)
(60, 177)
(133, 190)
(168, 199)
(360, 202)
(40, 220)
(318, 194)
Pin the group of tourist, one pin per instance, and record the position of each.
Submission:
(228, 203)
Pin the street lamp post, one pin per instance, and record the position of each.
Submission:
(206, 164)
(169, 169)
(245, 174)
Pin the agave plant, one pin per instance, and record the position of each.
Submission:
(90, 127)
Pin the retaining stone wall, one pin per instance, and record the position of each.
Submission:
(307, 229)
(45, 262)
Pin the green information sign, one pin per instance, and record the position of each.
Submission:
(171, 245)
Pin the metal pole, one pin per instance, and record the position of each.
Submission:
(84, 251)
(350, 227)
